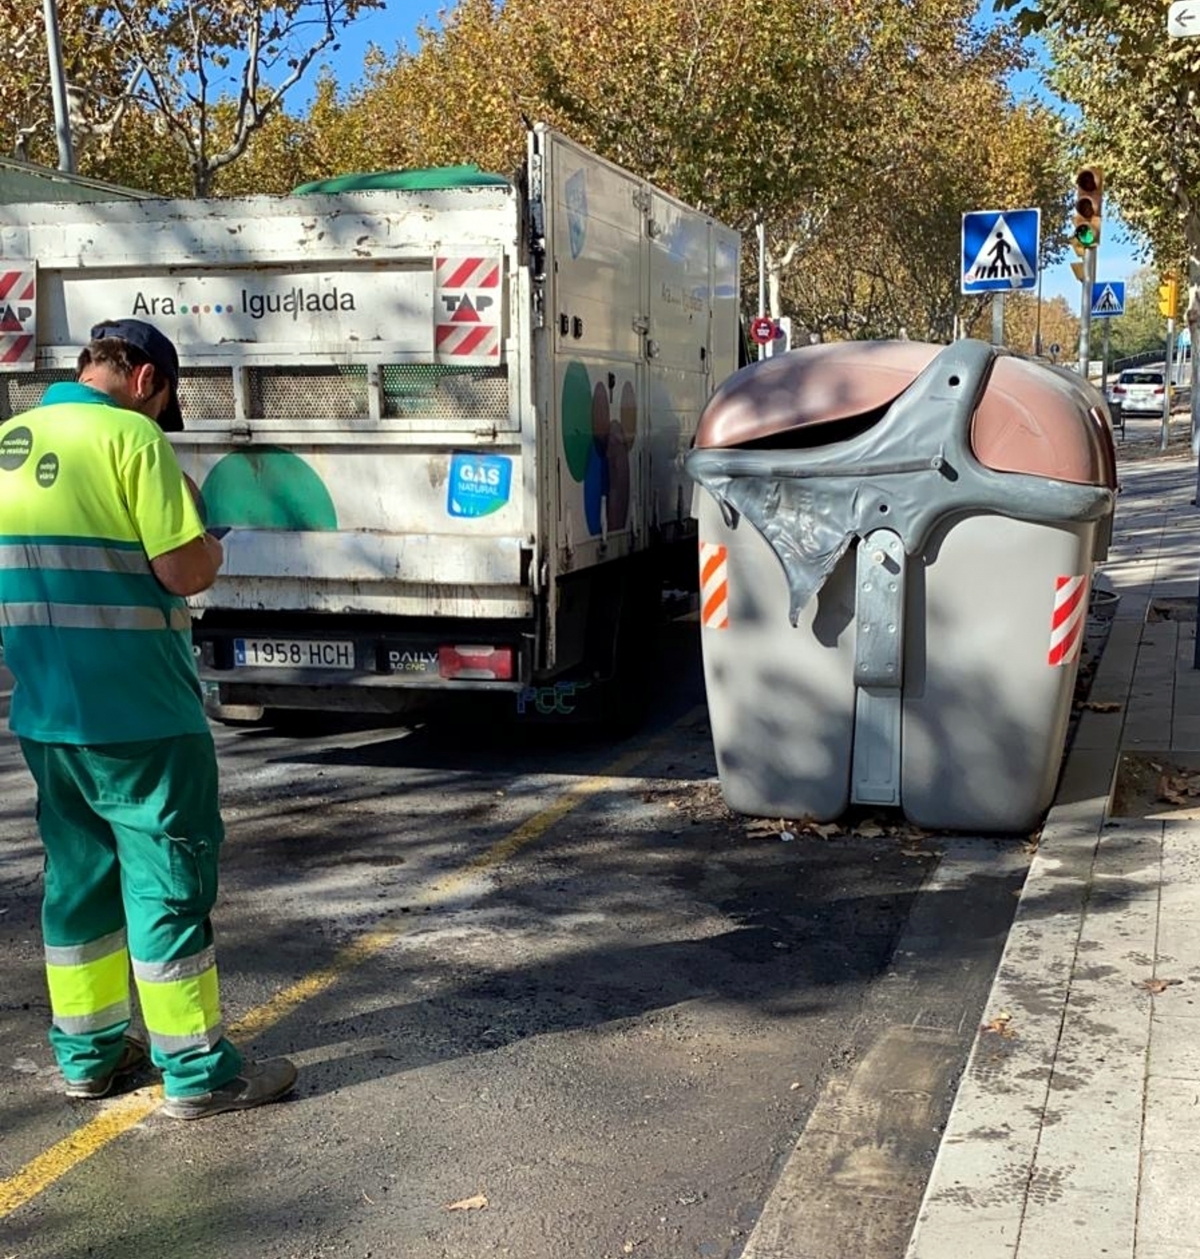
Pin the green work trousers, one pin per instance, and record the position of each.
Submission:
(132, 833)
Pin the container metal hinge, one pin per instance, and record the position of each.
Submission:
(878, 669)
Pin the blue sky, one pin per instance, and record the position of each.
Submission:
(397, 24)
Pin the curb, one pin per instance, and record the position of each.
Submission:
(985, 1177)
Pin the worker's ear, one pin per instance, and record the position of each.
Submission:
(142, 382)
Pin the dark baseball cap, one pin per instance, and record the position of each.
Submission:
(159, 350)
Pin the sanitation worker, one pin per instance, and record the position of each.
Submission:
(100, 540)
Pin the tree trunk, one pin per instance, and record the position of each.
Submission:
(1193, 323)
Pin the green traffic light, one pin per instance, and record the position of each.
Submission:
(1085, 234)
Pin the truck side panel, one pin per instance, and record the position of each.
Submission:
(632, 311)
(596, 296)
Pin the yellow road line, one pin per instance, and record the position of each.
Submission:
(40, 1173)
(128, 1111)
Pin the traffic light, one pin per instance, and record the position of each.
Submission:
(1089, 198)
(1168, 296)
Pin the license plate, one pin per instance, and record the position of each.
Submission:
(292, 653)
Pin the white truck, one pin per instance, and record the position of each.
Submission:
(440, 420)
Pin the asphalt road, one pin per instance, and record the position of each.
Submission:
(548, 997)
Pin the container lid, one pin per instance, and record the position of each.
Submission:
(1032, 418)
(431, 178)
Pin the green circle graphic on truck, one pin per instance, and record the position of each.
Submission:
(597, 434)
(577, 418)
(267, 489)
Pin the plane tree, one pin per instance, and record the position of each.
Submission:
(1140, 329)
(95, 65)
(166, 93)
(1054, 324)
(736, 106)
(957, 142)
(1138, 94)
(857, 131)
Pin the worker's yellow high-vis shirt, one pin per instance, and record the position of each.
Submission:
(102, 653)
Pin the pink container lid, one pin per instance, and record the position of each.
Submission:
(1032, 418)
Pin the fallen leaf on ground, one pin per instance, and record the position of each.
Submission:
(477, 1203)
(1000, 1025)
(1158, 985)
(1102, 706)
(869, 830)
(1178, 788)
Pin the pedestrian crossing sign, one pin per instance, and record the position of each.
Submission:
(1108, 299)
(1000, 250)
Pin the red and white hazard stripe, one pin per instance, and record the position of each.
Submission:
(714, 586)
(467, 273)
(1067, 619)
(16, 348)
(461, 339)
(17, 286)
(18, 309)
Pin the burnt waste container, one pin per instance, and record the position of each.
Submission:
(897, 543)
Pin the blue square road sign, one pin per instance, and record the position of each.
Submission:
(1108, 299)
(1000, 250)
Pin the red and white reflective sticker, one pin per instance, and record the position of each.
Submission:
(18, 317)
(467, 307)
(714, 586)
(1066, 623)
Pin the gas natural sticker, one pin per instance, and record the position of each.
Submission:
(478, 484)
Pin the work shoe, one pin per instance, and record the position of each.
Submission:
(134, 1056)
(260, 1082)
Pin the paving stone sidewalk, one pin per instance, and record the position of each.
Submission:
(1075, 1132)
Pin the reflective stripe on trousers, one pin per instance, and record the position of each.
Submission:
(89, 984)
(181, 1001)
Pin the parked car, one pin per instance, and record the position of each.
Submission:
(1139, 391)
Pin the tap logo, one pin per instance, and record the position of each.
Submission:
(461, 307)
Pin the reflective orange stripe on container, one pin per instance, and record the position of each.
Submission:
(714, 586)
